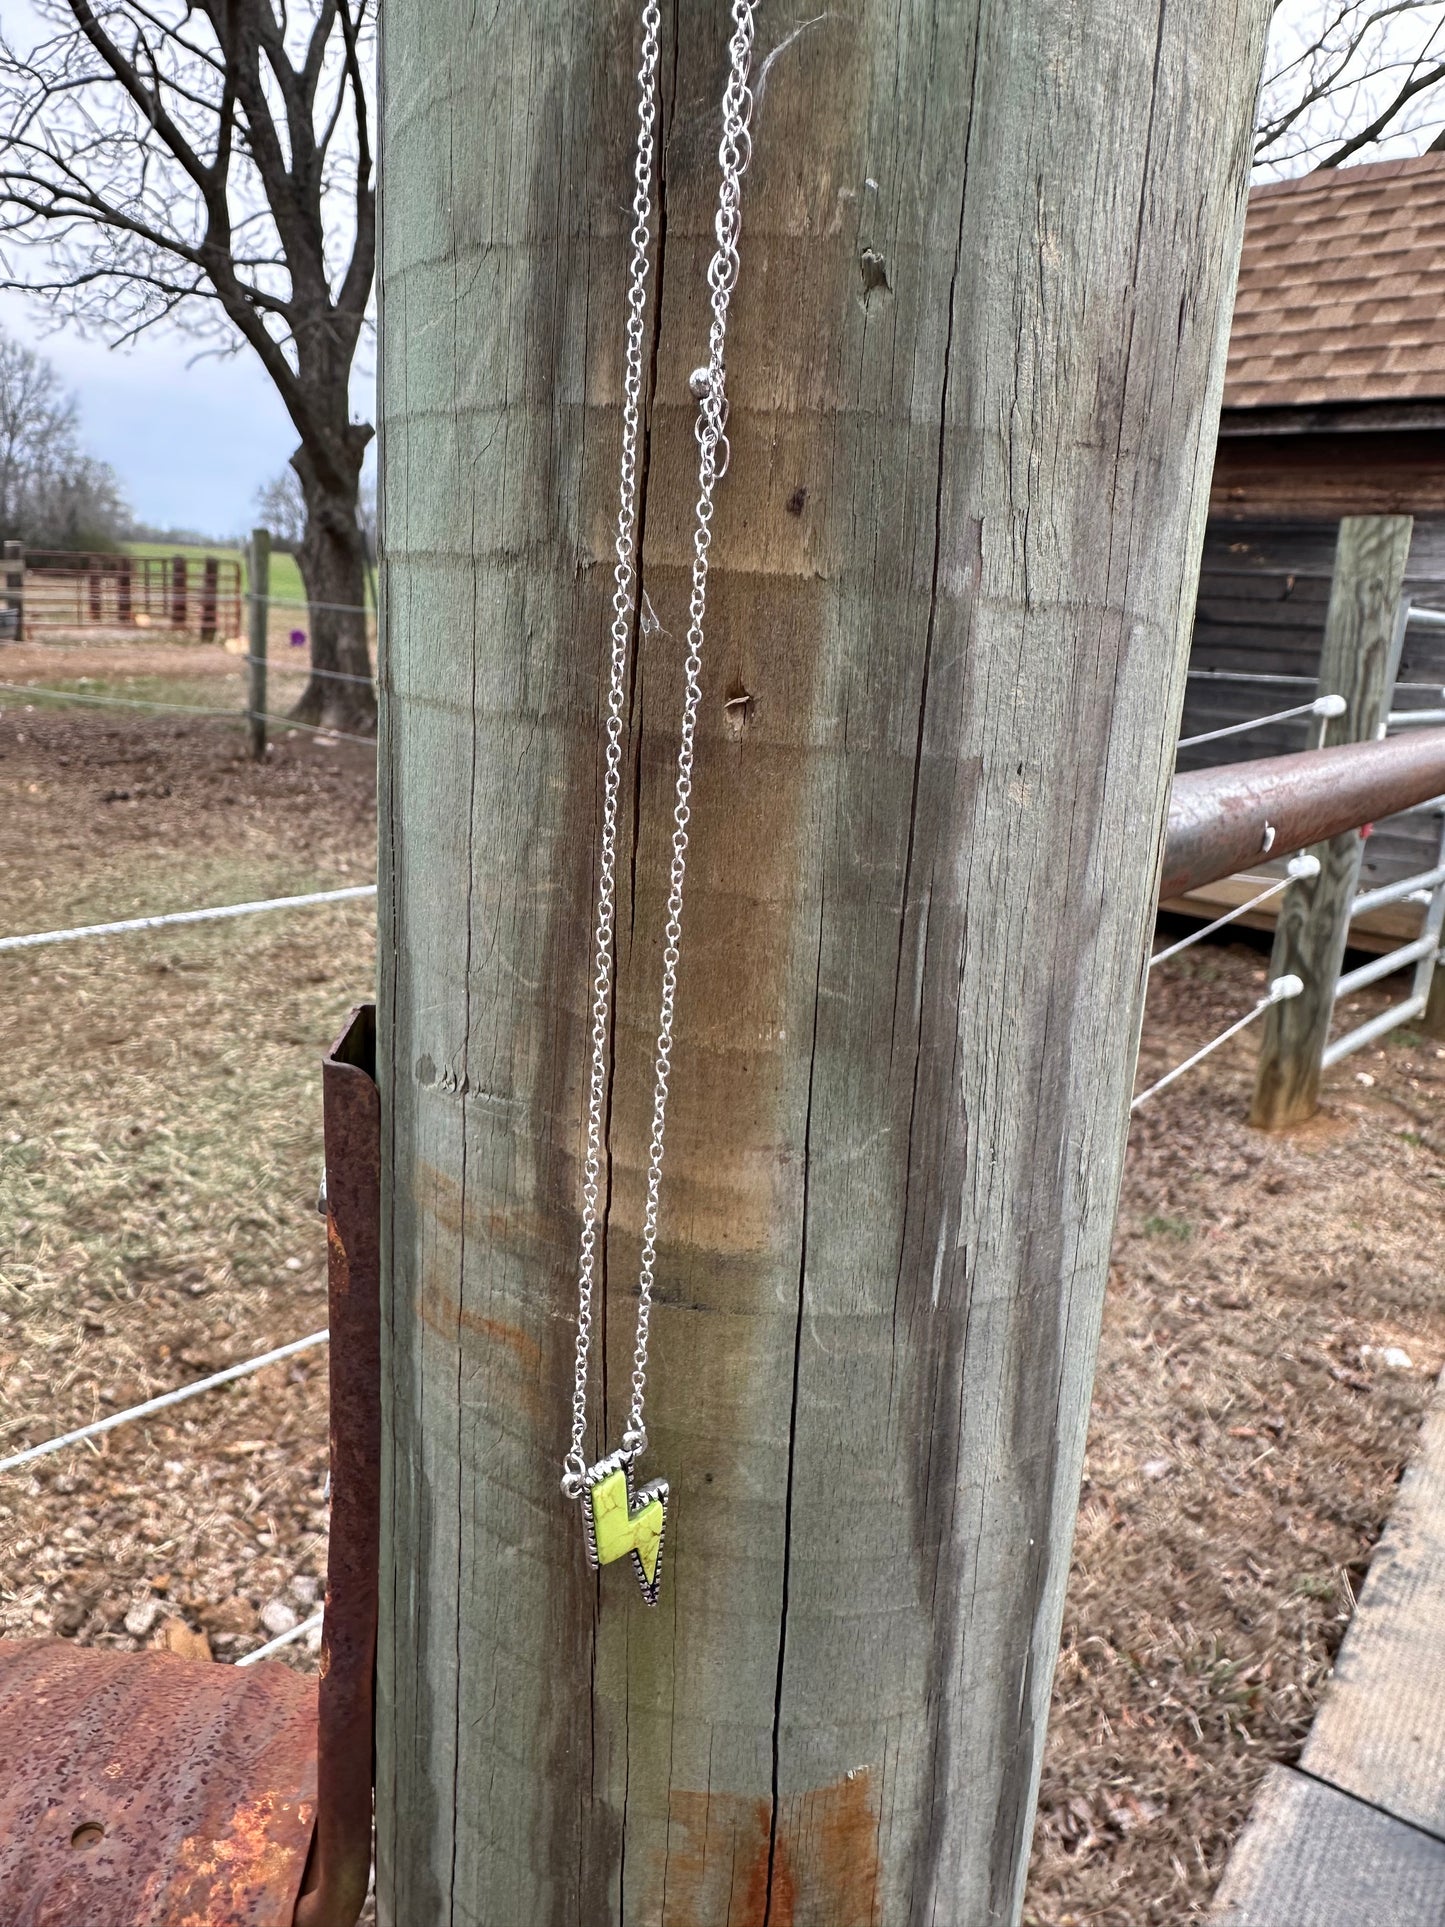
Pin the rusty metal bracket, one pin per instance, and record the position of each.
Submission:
(143, 1790)
(341, 1861)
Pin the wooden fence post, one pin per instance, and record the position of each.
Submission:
(974, 372)
(14, 564)
(210, 586)
(180, 600)
(1433, 1021)
(1364, 631)
(258, 583)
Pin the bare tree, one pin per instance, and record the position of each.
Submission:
(281, 509)
(1345, 77)
(52, 495)
(209, 163)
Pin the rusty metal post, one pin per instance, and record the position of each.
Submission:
(336, 1881)
(141, 1787)
(210, 580)
(258, 572)
(15, 588)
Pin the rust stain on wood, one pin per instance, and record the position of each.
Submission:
(510, 1352)
(836, 1851)
(709, 1870)
(440, 1199)
(726, 1862)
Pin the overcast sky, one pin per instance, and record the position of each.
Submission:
(191, 441)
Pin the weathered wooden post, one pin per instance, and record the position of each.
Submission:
(124, 592)
(1433, 1021)
(1359, 659)
(974, 370)
(179, 604)
(258, 583)
(14, 564)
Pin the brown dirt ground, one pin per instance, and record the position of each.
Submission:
(176, 670)
(159, 1156)
(159, 1151)
(1245, 1444)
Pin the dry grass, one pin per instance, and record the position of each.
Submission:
(159, 1150)
(159, 1156)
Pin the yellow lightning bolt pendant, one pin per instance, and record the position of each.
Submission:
(619, 1520)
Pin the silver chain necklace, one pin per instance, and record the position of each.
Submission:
(619, 1520)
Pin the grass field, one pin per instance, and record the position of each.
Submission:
(286, 584)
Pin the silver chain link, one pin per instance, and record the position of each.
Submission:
(623, 601)
(709, 384)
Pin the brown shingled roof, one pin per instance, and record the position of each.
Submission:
(1342, 289)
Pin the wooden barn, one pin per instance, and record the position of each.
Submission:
(1334, 405)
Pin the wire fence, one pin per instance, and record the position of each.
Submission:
(1280, 991)
(309, 669)
(163, 1402)
(1323, 706)
(159, 707)
(57, 602)
(85, 1436)
(306, 602)
(289, 1638)
(1301, 869)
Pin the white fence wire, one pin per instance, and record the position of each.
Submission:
(288, 1638)
(1279, 992)
(1325, 706)
(34, 939)
(1302, 868)
(164, 1401)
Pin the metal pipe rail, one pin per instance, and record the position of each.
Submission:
(1222, 820)
(1386, 966)
(1375, 1027)
(1398, 892)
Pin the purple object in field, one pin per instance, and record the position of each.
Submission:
(298, 638)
